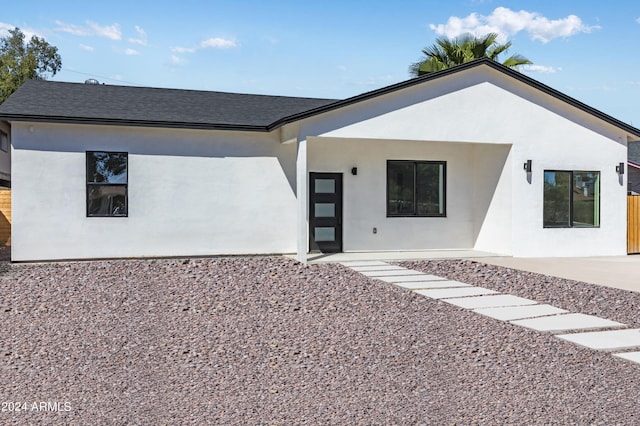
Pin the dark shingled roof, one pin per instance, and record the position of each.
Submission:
(91, 103)
(39, 100)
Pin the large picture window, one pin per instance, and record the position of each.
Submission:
(107, 175)
(571, 199)
(416, 188)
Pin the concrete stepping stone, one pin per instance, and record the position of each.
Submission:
(415, 285)
(395, 279)
(566, 322)
(369, 268)
(491, 301)
(507, 313)
(630, 356)
(350, 263)
(445, 293)
(395, 272)
(605, 340)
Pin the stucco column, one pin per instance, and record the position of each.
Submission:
(301, 194)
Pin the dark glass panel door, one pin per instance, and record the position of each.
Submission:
(325, 212)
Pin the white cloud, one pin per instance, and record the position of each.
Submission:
(4, 28)
(28, 33)
(91, 29)
(142, 37)
(341, 68)
(109, 31)
(638, 20)
(131, 52)
(86, 48)
(507, 22)
(214, 43)
(176, 60)
(183, 49)
(541, 69)
(217, 43)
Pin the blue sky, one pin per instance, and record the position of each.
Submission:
(333, 49)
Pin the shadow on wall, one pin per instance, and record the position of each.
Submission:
(490, 162)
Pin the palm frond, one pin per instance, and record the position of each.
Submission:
(516, 60)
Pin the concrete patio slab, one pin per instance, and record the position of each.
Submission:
(491, 301)
(630, 356)
(605, 340)
(394, 279)
(369, 268)
(353, 263)
(612, 271)
(395, 272)
(396, 255)
(415, 285)
(507, 313)
(446, 293)
(566, 322)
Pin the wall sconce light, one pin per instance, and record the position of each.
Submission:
(620, 169)
(527, 166)
(354, 171)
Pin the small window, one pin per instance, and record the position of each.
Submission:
(4, 141)
(416, 188)
(571, 199)
(107, 179)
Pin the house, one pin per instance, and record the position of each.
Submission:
(474, 157)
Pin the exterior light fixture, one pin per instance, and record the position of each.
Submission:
(620, 169)
(354, 171)
(527, 166)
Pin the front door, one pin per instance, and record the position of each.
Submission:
(325, 212)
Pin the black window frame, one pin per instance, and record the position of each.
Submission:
(571, 224)
(415, 189)
(90, 185)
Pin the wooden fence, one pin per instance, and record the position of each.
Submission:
(633, 224)
(5, 217)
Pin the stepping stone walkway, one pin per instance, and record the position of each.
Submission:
(515, 310)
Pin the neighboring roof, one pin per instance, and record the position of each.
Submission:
(141, 106)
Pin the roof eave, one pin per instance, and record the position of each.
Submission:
(132, 123)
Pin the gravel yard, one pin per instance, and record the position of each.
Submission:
(265, 340)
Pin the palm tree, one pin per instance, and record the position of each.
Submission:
(447, 53)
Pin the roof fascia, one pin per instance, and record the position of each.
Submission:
(131, 123)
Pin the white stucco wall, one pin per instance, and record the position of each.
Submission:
(470, 171)
(456, 119)
(190, 193)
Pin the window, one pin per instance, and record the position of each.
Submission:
(4, 141)
(571, 199)
(107, 184)
(416, 188)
